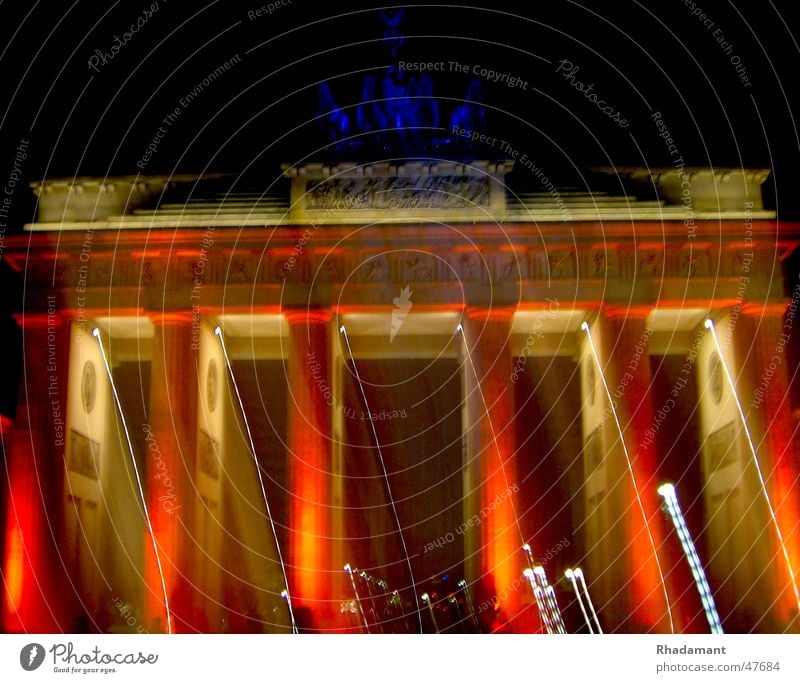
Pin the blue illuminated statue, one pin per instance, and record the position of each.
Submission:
(398, 112)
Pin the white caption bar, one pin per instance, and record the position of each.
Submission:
(344, 659)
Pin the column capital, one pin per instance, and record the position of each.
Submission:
(170, 317)
(38, 320)
(298, 316)
(483, 313)
(615, 312)
(766, 308)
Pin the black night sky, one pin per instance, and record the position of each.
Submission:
(723, 85)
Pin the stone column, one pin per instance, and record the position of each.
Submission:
(35, 590)
(171, 448)
(761, 339)
(314, 581)
(494, 559)
(627, 574)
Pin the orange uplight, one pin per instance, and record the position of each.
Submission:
(14, 569)
(308, 429)
(783, 486)
(22, 610)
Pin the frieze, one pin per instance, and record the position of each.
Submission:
(509, 266)
(416, 267)
(374, 268)
(467, 266)
(278, 265)
(398, 193)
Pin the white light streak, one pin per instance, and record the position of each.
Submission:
(385, 475)
(596, 357)
(579, 573)
(218, 332)
(550, 597)
(538, 595)
(570, 576)
(96, 334)
(709, 324)
(667, 491)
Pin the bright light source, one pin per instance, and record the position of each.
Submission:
(527, 573)
(425, 597)
(708, 324)
(585, 326)
(218, 331)
(96, 333)
(666, 490)
(347, 568)
(570, 576)
(341, 329)
(526, 547)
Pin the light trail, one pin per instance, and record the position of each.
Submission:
(96, 335)
(570, 576)
(585, 327)
(343, 331)
(667, 491)
(709, 324)
(288, 596)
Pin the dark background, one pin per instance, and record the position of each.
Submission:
(262, 112)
